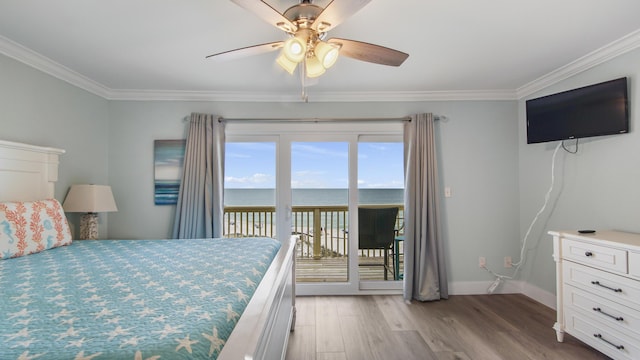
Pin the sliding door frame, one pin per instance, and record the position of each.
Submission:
(286, 133)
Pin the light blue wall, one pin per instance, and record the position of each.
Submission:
(479, 157)
(39, 109)
(597, 188)
(498, 182)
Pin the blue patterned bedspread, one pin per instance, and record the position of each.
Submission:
(129, 299)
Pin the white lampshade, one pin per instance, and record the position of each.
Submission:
(295, 48)
(89, 199)
(313, 67)
(327, 53)
(286, 64)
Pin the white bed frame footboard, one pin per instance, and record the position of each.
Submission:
(263, 329)
(29, 172)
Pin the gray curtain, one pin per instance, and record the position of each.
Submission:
(425, 275)
(200, 208)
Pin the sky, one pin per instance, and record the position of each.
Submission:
(314, 165)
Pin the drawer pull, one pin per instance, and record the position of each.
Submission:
(618, 290)
(616, 318)
(599, 336)
(588, 253)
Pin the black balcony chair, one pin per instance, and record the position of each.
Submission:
(376, 231)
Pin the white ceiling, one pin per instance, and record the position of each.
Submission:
(157, 48)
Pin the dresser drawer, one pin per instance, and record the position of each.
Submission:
(602, 257)
(618, 317)
(634, 264)
(607, 285)
(608, 341)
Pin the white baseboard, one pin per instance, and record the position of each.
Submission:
(507, 287)
(480, 287)
(542, 296)
(455, 288)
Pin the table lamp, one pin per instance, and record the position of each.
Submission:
(90, 199)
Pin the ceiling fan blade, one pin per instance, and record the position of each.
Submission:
(336, 12)
(268, 14)
(369, 52)
(246, 51)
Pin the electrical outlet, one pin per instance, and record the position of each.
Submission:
(507, 262)
(482, 262)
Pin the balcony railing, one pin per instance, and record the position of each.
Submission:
(323, 230)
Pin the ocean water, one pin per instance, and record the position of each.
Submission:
(310, 197)
(166, 193)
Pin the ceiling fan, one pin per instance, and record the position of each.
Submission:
(307, 26)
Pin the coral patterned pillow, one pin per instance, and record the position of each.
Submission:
(32, 226)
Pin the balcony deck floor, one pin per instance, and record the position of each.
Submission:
(334, 269)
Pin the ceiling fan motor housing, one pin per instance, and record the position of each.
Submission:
(303, 14)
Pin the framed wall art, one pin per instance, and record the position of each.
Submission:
(167, 162)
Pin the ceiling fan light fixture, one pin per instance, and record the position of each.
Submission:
(284, 62)
(307, 25)
(326, 53)
(295, 48)
(313, 67)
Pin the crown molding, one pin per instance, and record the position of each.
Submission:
(377, 96)
(50, 67)
(621, 46)
(181, 95)
(408, 96)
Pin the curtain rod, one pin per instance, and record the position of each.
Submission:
(315, 120)
(312, 120)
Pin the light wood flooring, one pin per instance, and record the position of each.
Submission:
(462, 327)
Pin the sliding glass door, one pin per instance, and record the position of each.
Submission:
(250, 188)
(320, 204)
(300, 181)
(381, 189)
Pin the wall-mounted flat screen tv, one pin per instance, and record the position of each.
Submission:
(594, 110)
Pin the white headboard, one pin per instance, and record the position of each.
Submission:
(27, 172)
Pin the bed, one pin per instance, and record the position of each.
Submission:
(131, 299)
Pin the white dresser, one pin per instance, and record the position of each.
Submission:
(598, 290)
